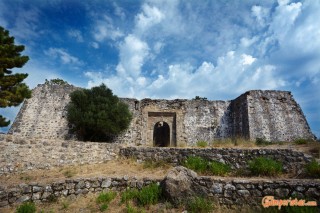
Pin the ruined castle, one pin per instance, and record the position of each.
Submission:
(272, 115)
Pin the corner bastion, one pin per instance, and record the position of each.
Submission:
(272, 115)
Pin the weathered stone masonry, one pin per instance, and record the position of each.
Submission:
(273, 115)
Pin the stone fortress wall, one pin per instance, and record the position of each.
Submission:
(272, 115)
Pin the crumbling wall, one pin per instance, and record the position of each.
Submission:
(276, 116)
(44, 114)
(273, 115)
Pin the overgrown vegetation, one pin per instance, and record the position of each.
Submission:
(104, 199)
(313, 169)
(148, 195)
(262, 142)
(57, 81)
(26, 207)
(203, 166)
(151, 164)
(265, 166)
(97, 114)
(199, 205)
(300, 141)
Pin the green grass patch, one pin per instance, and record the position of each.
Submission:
(218, 168)
(27, 207)
(196, 164)
(313, 169)
(300, 141)
(148, 195)
(202, 144)
(131, 209)
(265, 166)
(203, 166)
(262, 142)
(199, 205)
(104, 198)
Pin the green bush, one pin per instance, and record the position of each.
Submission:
(97, 115)
(313, 169)
(202, 144)
(197, 164)
(265, 166)
(199, 205)
(217, 168)
(149, 195)
(27, 207)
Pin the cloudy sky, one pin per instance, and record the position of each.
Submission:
(173, 49)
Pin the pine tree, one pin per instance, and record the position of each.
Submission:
(12, 90)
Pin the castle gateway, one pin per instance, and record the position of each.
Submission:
(272, 115)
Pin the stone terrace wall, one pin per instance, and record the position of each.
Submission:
(227, 192)
(237, 158)
(18, 154)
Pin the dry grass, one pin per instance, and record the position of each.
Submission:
(114, 168)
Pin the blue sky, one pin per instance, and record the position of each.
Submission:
(172, 49)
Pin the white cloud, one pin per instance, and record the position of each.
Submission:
(149, 16)
(63, 55)
(247, 59)
(133, 53)
(104, 29)
(76, 34)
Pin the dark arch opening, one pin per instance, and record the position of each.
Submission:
(161, 134)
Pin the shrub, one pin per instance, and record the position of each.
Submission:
(217, 168)
(202, 144)
(265, 166)
(27, 207)
(149, 195)
(199, 204)
(313, 169)
(97, 115)
(131, 209)
(197, 164)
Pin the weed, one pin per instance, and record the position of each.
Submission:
(300, 141)
(131, 209)
(106, 197)
(217, 168)
(199, 204)
(27, 207)
(197, 164)
(202, 144)
(265, 166)
(129, 194)
(25, 177)
(313, 169)
(65, 204)
(104, 207)
(52, 198)
(262, 142)
(149, 194)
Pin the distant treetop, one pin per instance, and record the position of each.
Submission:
(57, 81)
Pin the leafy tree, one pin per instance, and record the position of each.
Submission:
(12, 90)
(97, 114)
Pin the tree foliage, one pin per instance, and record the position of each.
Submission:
(12, 90)
(97, 114)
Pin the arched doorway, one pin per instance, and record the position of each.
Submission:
(161, 134)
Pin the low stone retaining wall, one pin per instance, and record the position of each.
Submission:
(18, 154)
(237, 158)
(72, 187)
(226, 192)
